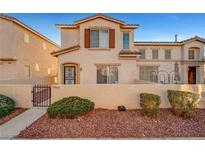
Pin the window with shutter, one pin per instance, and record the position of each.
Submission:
(99, 38)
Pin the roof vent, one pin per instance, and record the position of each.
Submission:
(176, 38)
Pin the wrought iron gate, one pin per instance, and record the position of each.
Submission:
(41, 95)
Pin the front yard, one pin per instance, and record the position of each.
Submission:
(103, 123)
(13, 114)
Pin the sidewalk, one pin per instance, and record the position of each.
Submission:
(13, 127)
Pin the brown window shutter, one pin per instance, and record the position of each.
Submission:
(112, 38)
(87, 38)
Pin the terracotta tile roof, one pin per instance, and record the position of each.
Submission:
(18, 22)
(194, 38)
(96, 16)
(155, 43)
(65, 25)
(7, 59)
(169, 43)
(129, 53)
(65, 50)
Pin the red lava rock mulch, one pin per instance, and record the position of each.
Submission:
(13, 114)
(102, 123)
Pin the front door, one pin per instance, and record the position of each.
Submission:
(69, 75)
(192, 75)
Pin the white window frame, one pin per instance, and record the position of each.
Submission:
(108, 39)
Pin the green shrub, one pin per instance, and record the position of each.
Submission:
(6, 105)
(150, 104)
(70, 107)
(183, 103)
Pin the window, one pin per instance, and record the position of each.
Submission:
(142, 51)
(167, 54)
(147, 73)
(126, 41)
(107, 74)
(204, 50)
(99, 38)
(191, 54)
(155, 54)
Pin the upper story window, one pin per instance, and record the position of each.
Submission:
(204, 50)
(167, 53)
(126, 40)
(155, 54)
(99, 38)
(142, 51)
(191, 54)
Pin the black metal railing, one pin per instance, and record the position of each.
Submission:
(41, 95)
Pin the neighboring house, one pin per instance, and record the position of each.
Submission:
(100, 49)
(24, 53)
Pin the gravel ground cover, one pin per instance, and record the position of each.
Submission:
(103, 123)
(13, 114)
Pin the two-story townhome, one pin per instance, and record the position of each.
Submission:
(101, 50)
(24, 53)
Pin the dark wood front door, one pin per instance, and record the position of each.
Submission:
(192, 75)
(69, 75)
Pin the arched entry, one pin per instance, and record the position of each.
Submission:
(71, 73)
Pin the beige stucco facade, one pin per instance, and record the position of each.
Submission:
(128, 64)
(24, 53)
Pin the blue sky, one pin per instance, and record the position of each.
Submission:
(153, 27)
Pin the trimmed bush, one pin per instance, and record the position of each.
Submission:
(6, 105)
(150, 104)
(70, 107)
(183, 103)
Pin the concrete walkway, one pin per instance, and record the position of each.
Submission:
(13, 127)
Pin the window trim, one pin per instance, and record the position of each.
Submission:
(108, 40)
(193, 54)
(157, 54)
(165, 50)
(123, 40)
(107, 76)
(144, 53)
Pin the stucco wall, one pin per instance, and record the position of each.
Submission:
(49, 80)
(21, 94)
(110, 96)
(128, 69)
(36, 51)
(69, 37)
